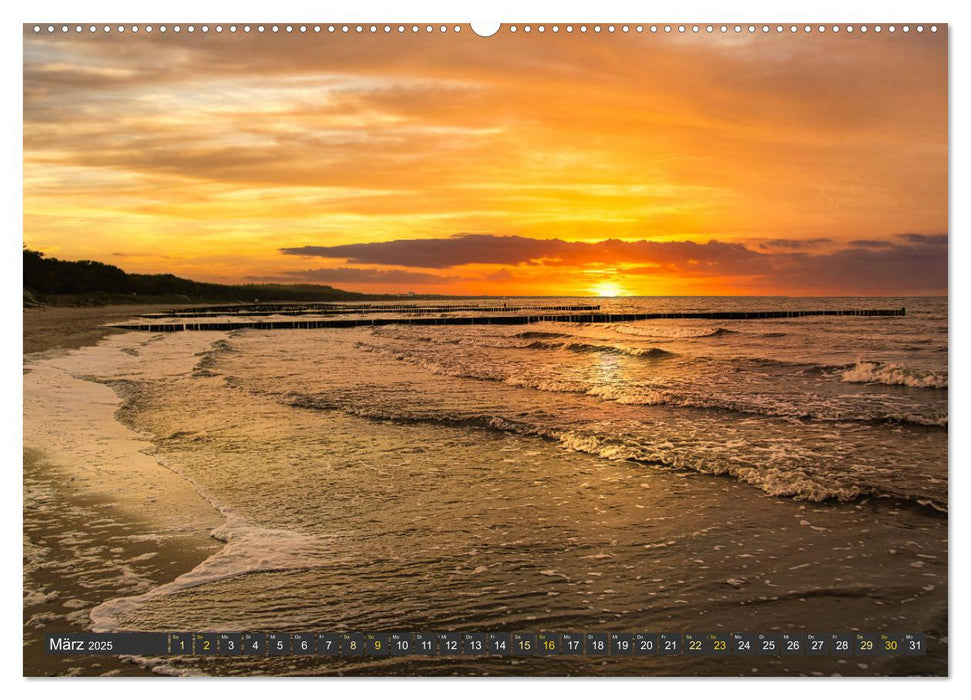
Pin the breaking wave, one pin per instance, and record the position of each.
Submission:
(655, 353)
(894, 375)
(539, 334)
(641, 395)
(779, 476)
(247, 549)
(209, 357)
(647, 332)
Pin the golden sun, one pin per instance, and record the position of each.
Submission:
(608, 289)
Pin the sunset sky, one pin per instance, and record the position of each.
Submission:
(515, 164)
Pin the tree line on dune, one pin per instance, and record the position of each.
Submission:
(50, 277)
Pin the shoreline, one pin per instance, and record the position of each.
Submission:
(48, 328)
(64, 581)
(95, 527)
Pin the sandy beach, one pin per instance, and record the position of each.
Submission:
(66, 327)
(96, 525)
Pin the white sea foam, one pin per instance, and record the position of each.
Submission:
(775, 481)
(643, 395)
(894, 374)
(249, 549)
(114, 457)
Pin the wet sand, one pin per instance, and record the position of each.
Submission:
(101, 521)
(65, 327)
(81, 548)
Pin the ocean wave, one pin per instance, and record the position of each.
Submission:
(539, 334)
(647, 332)
(640, 395)
(247, 549)
(543, 340)
(576, 346)
(530, 340)
(792, 482)
(756, 406)
(778, 474)
(209, 357)
(893, 374)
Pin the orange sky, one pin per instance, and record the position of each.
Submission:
(516, 164)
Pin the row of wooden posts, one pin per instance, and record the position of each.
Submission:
(335, 310)
(505, 320)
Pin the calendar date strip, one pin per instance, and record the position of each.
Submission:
(465, 644)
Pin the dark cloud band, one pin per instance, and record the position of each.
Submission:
(913, 262)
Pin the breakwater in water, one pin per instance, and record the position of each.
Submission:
(505, 319)
(328, 309)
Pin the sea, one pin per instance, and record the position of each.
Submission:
(763, 475)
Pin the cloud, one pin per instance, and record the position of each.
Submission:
(936, 239)
(501, 275)
(916, 267)
(249, 143)
(794, 243)
(468, 249)
(735, 133)
(355, 275)
(916, 262)
(867, 243)
(437, 253)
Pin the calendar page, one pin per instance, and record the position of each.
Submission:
(523, 349)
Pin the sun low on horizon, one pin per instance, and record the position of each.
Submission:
(446, 163)
(608, 288)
